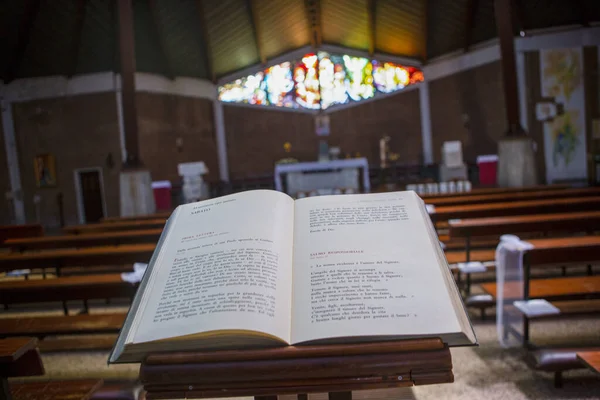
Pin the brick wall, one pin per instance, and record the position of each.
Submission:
(255, 138)
(162, 120)
(81, 132)
(468, 106)
(359, 128)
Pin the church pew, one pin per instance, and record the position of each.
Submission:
(508, 197)
(111, 238)
(157, 215)
(66, 288)
(495, 190)
(558, 361)
(516, 208)
(61, 325)
(577, 221)
(77, 343)
(56, 390)
(468, 229)
(20, 231)
(573, 289)
(93, 256)
(157, 223)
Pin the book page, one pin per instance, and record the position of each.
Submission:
(225, 265)
(365, 265)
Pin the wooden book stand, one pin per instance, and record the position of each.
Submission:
(265, 373)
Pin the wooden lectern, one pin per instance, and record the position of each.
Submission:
(266, 373)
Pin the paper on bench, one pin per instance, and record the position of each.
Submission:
(536, 307)
(18, 272)
(509, 269)
(472, 267)
(430, 208)
(137, 274)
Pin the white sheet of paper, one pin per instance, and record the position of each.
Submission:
(536, 307)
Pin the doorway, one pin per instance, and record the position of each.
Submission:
(89, 187)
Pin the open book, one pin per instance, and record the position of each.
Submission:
(259, 269)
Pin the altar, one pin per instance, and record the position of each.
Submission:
(319, 178)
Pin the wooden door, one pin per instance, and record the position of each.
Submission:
(91, 196)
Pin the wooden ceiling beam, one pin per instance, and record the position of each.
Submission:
(583, 15)
(519, 14)
(159, 38)
(256, 31)
(76, 36)
(32, 7)
(372, 18)
(205, 40)
(472, 6)
(313, 13)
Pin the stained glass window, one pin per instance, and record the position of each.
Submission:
(307, 82)
(245, 90)
(319, 81)
(280, 85)
(359, 78)
(389, 77)
(332, 77)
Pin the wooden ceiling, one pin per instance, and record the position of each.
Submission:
(213, 38)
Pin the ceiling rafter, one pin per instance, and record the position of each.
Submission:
(425, 28)
(313, 13)
(583, 14)
(160, 40)
(207, 48)
(519, 14)
(256, 29)
(25, 27)
(76, 36)
(472, 6)
(372, 18)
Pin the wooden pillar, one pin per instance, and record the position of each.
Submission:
(127, 52)
(135, 182)
(504, 25)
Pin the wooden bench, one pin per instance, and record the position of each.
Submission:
(157, 215)
(18, 357)
(65, 289)
(573, 288)
(93, 256)
(157, 223)
(56, 390)
(492, 190)
(509, 197)
(468, 229)
(77, 343)
(557, 361)
(112, 238)
(62, 325)
(20, 231)
(516, 208)
(591, 359)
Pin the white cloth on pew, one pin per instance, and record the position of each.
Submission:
(471, 267)
(18, 272)
(430, 208)
(509, 269)
(136, 276)
(536, 307)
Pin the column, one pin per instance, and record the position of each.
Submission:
(135, 182)
(425, 122)
(219, 122)
(516, 164)
(12, 159)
